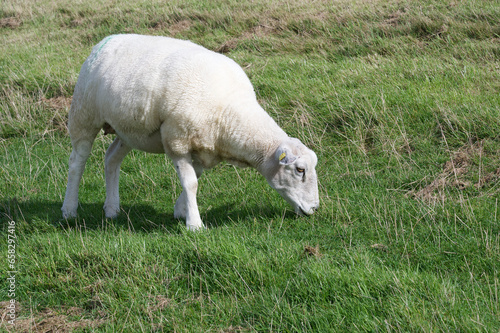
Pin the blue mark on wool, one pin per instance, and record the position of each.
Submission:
(103, 43)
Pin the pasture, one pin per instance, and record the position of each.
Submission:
(400, 101)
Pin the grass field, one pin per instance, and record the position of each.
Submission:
(399, 99)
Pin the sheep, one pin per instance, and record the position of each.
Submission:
(174, 97)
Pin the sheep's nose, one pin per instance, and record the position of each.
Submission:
(313, 209)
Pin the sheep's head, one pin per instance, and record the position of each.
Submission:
(292, 172)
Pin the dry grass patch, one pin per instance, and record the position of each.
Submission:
(311, 251)
(57, 103)
(59, 107)
(267, 26)
(458, 173)
(158, 303)
(52, 320)
(10, 22)
(172, 28)
(234, 329)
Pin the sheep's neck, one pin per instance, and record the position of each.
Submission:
(259, 139)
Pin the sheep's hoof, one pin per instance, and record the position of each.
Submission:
(196, 227)
(69, 214)
(111, 212)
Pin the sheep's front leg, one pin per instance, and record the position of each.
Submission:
(180, 208)
(189, 182)
(114, 157)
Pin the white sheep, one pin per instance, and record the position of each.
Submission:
(163, 95)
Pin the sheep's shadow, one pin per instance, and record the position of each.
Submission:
(46, 214)
(228, 215)
(39, 215)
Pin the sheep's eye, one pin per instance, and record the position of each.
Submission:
(299, 170)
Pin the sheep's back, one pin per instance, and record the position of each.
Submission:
(138, 83)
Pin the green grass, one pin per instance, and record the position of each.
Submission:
(400, 101)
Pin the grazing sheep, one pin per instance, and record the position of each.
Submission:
(163, 95)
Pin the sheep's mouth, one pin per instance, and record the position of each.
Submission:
(297, 206)
(301, 212)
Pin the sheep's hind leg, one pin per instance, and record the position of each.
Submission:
(113, 159)
(189, 181)
(81, 151)
(180, 208)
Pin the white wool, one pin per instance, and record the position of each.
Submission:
(163, 95)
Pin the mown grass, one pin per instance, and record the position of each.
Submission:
(400, 101)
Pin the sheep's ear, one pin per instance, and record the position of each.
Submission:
(285, 156)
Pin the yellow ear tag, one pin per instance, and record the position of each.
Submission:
(282, 156)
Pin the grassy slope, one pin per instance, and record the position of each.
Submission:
(400, 101)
